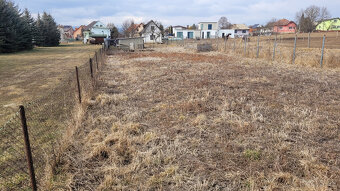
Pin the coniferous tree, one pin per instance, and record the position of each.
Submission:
(37, 33)
(29, 29)
(8, 26)
(19, 31)
(49, 31)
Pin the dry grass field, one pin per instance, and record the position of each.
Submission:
(28, 75)
(173, 119)
(305, 56)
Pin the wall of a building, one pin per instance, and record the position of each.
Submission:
(147, 33)
(205, 26)
(285, 29)
(330, 25)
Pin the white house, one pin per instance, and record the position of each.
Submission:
(240, 30)
(224, 32)
(185, 33)
(208, 29)
(152, 33)
(96, 30)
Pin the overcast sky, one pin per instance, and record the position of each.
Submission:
(172, 12)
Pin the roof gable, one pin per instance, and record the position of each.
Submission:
(283, 22)
(147, 25)
(240, 26)
(94, 24)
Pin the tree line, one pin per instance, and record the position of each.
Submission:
(20, 31)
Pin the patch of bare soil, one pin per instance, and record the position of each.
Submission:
(196, 121)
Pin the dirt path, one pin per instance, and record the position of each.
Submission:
(176, 120)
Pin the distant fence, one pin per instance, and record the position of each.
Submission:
(28, 140)
(316, 49)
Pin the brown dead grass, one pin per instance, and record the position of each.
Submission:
(206, 121)
(28, 75)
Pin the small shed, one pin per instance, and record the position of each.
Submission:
(136, 43)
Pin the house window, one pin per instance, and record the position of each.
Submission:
(152, 37)
(201, 26)
(235, 31)
(281, 28)
(153, 28)
(101, 25)
(290, 27)
(209, 26)
(244, 31)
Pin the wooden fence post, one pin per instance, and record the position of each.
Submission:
(225, 44)
(308, 40)
(91, 69)
(258, 47)
(28, 148)
(294, 49)
(78, 84)
(96, 60)
(245, 46)
(322, 50)
(274, 48)
(234, 45)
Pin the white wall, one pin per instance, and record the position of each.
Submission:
(226, 32)
(196, 33)
(205, 25)
(148, 32)
(239, 32)
(213, 33)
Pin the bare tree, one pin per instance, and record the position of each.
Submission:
(160, 26)
(271, 23)
(223, 23)
(307, 19)
(126, 27)
(312, 12)
(324, 14)
(298, 16)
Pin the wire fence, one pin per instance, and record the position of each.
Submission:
(47, 119)
(315, 49)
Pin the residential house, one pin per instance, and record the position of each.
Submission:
(329, 25)
(78, 33)
(152, 33)
(97, 31)
(66, 32)
(135, 30)
(208, 29)
(256, 29)
(224, 32)
(285, 26)
(240, 30)
(185, 32)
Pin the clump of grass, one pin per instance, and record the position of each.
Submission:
(252, 154)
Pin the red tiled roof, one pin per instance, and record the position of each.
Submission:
(282, 22)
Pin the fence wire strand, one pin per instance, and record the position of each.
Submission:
(47, 118)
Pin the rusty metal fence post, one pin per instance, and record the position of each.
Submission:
(78, 85)
(91, 69)
(28, 148)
